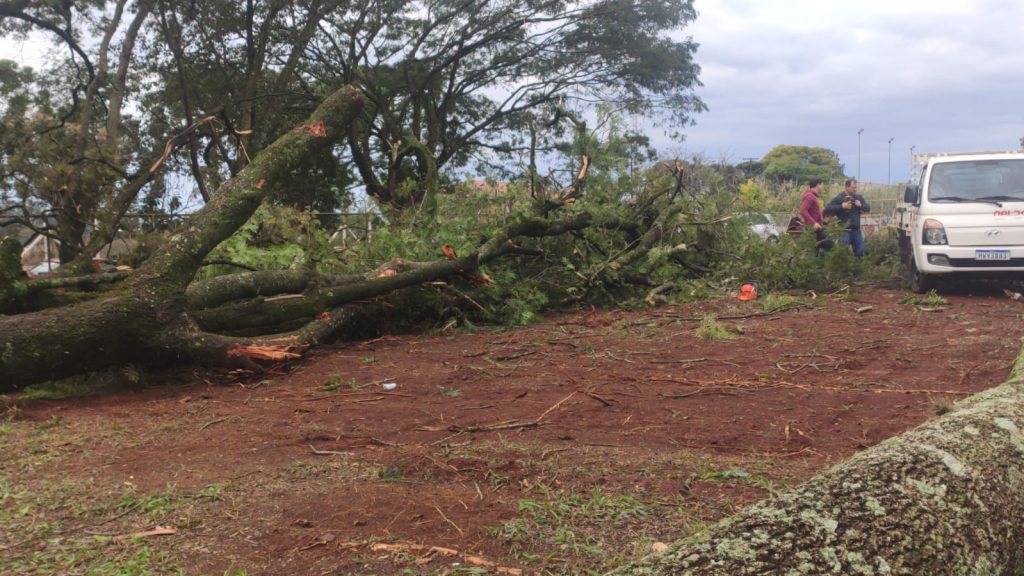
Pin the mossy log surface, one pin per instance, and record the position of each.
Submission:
(946, 498)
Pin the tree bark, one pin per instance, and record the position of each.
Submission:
(946, 498)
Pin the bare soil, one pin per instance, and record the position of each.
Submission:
(563, 447)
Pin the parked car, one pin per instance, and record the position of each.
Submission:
(762, 225)
(44, 267)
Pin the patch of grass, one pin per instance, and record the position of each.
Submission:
(389, 474)
(740, 476)
(333, 383)
(725, 475)
(942, 406)
(932, 298)
(850, 296)
(776, 302)
(450, 392)
(581, 525)
(711, 329)
(84, 385)
(41, 537)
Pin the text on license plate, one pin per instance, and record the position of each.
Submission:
(991, 254)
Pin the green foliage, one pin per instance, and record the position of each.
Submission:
(726, 475)
(333, 383)
(675, 227)
(777, 302)
(801, 163)
(276, 237)
(711, 329)
(752, 195)
(931, 299)
(390, 474)
(88, 384)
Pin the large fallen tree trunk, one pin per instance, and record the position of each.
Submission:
(946, 498)
(160, 313)
(146, 318)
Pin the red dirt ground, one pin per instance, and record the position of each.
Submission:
(319, 463)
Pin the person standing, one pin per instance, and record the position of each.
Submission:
(810, 213)
(847, 207)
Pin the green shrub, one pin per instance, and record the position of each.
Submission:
(711, 329)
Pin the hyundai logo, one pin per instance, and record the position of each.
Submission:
(993, 232)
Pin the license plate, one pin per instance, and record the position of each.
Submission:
(991, 254)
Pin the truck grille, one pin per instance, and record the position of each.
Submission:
(972, 263)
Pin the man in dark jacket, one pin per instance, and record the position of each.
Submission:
(847, 207)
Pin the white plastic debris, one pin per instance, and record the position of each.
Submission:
(389, 386)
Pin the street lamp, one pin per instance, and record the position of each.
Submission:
(888, 178)
(912, 146)
(859, 132)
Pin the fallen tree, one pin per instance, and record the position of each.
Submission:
(146, 317)
(163, 312)
(946, 498)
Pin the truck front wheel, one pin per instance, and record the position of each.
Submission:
(919, 282)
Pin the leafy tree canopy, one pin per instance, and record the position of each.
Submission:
(801, 163)
(197, 89)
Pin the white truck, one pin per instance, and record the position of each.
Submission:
(962, 214)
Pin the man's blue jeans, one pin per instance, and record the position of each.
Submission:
(854, 238)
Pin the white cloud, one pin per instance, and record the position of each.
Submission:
(941, 75)
(28, 51)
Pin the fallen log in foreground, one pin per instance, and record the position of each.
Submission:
(946, 498)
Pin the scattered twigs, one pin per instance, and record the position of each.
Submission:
(551, 451)
(448, 520)
(427, 553)
(510, 425)
(727, 390)
(596, 397)
(735, 385)
(513, 356)
(123, 513)
(326, 452)
(684, 361)
(212, 422)
(322, 540)
(158, 531)
(557, 404)
(796, 306)
(811, 355)
(963, 378)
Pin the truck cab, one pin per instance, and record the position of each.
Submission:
(962, 214)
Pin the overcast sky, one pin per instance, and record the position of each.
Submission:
(940, 75)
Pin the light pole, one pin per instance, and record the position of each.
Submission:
(912, 146)
(888, 177)
(859, 132)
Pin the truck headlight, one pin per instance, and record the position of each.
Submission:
(934, 232)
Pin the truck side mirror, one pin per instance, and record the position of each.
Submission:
(912, 194)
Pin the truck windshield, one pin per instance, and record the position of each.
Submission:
(988, 181)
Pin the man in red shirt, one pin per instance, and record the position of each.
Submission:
(810, 213)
